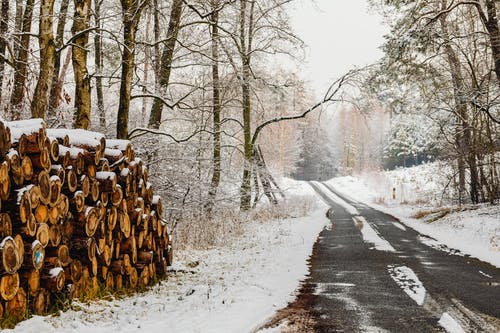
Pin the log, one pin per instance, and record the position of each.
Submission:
(42, 234)
(41, 302)
(125, 226)
(16, 171)
(5, 225)
(156, 205)
(75, 269)
(9, 256)
(117, 267)
(145, 257)
(133, 278)
(103, 165)
(71, 182)
(109, 281)
(9, 286)
(33, 129)
(55, 190)
(34, 194)
(55, 235)
(89, 218)
(42, 214)
(18, 240)
(16, 308)
(30, 281)
(94, 191)
(41, 160)
(118, 281)
(125, 146)
(112, 217)
(117, 196)
(104, 199)
(43, 182)
(29, 229)
(64, 158)
(63, 206)
(65, 194)
(57, 170)
(53, 215)
(34, 255)
(143, 280)
(83, 249)
(5, 141)
(26, 168)
(53, 279)
(53, 150)
(4, 181)
(107, 181)
(77, 204)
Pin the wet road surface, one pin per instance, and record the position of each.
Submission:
(370, 273)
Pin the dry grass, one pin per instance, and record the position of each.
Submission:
(228, 224)
(432, 215)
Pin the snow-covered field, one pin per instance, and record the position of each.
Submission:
(230, 289)
(474, 231)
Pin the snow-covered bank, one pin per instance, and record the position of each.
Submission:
(474, 232)
(229, 289)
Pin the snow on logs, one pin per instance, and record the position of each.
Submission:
(76, 212)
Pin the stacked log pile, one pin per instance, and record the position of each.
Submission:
(77, 213)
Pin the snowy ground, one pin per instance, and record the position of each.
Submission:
(475, 231)
(230, 289)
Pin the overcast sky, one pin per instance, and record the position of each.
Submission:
(340, 34)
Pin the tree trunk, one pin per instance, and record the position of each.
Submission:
(40, 102)
(21, 63)
(157, 61)
(463, 132)
(245, 51)
(147, 56)
(216, 113)
(18, 26)
(166, 61)
(3, 41)
(79, 57)
(490, 20)
(55, 94)
(98, 65)
(131, 16)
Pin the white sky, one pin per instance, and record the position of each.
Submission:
(340, 34)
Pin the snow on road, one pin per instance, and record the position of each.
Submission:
(371, 236)
(470, 232)
(230, 289)
(407, 280)
(335, 198)
(449, 324)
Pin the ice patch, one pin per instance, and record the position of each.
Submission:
(484, 274)
(399, 226)
(449, 324)
(409, 282)
(371, 236)
(438, 246)
(335, 198)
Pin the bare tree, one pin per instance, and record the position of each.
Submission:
(131, 15)
(55, 90)
(40, 102)
(3, 40)
(99, 63)
(166, 61)
(21, 61)
(79, 57)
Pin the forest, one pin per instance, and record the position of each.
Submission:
(134, 132)
(205, 89)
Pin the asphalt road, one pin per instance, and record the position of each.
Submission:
(400, 282)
